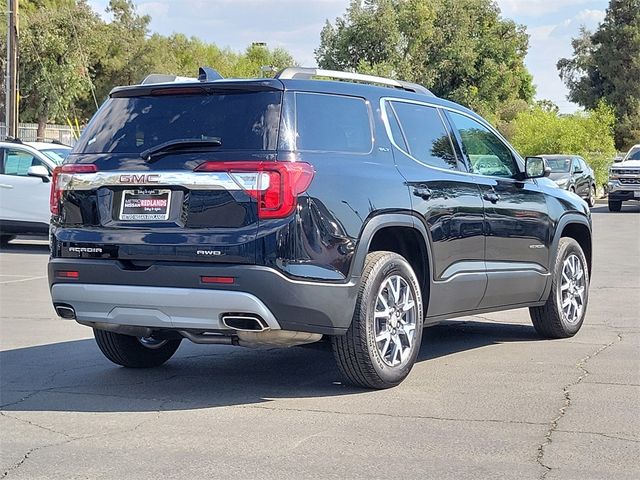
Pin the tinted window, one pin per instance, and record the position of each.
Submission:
(332, 123)
(583, 164)
(558, 165)
(240, 120)
(56, 154)
(425, 135)
(634, 154)
(17, 162)
(487, 154)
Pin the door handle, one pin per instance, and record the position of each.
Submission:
(4, 185)
(422, 192)
(492, 197)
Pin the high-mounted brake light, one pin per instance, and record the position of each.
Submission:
(56, 187)
(275, 185)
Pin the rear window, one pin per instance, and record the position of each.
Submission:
(57, 155)
(332, 123)
(239, 120)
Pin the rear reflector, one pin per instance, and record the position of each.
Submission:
(56, 190)
(227, 280)
(275, 185)
(67, 274)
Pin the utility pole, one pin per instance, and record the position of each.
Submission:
(11, 82)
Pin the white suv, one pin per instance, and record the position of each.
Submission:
(25, 183)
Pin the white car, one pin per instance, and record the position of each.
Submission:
(25, 184)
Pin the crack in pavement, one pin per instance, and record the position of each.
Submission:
(553, 427)
(29, 422)
(381, 414)
(607, 435)
(31, 451)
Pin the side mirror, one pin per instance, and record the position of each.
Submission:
(39, 171)
(535, 167)
(577, 170)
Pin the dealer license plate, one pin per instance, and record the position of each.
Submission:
(145, 205)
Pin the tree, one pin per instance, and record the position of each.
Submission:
(460, 49)
(53, 72)
(606, 66)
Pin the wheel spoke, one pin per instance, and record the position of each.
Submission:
(385, 348)
(408, 305)
(384, 335)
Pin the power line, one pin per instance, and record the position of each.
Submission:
(84, 58)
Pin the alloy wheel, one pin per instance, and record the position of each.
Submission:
(572, 289)
(394, 321)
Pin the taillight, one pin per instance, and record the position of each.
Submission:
(56, 185)
(274, 185)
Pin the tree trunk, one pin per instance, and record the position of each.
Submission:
(43, 117)
(42, 126)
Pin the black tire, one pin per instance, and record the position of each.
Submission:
(615, 205)
(5, 239)
(130, 352)
(591, 199)
(357, 353)
(549, 320)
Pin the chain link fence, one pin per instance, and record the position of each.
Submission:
(27, 132)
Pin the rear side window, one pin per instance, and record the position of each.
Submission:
(332, 123)
(424, 134)
(17, 162)
(239, 120)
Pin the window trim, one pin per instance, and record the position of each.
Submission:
(499, 137)
(445, 126)
(385, 121)
(342, 152)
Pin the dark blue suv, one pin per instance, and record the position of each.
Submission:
(278, 211)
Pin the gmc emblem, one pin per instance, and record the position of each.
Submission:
(142, 178)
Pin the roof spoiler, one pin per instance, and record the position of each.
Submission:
(205, 74)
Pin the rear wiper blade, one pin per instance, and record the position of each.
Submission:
(179, 144)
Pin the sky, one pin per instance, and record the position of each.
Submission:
(296, 24)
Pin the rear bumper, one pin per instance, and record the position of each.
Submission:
(170, 295)
(157, 307)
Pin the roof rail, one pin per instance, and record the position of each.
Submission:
(307, 73)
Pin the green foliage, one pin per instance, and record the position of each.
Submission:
(53, 72)
(606, 66)
(70, 58)
(541, 130)
(462, 50)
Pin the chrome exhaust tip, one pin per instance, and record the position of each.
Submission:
(65, 311)
(244, 322)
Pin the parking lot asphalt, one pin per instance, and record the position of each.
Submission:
(487, 398)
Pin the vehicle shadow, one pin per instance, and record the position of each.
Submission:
(27, 246)
(73, 376)
(627, 207)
